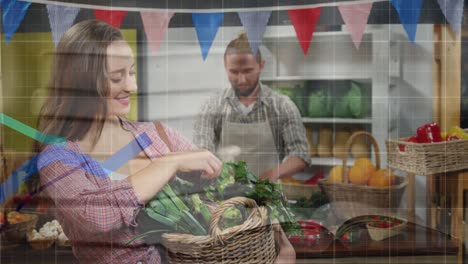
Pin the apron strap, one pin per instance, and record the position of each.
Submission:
(163, 135)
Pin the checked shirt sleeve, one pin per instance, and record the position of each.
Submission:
(87, 200)
(293, 131)
(205, 136)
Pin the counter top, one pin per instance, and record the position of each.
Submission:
(416, 240)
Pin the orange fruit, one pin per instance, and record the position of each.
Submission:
(382, 178)
(358, 176)
(365, 163)
(361, 171)
(336, 175)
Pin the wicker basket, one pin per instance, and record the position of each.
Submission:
(350, 200)
(427, 158)
(296, 191)
(17, 232)
(251, 242)
(41, 244)
(377, 233)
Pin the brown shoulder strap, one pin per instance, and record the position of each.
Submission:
(163, 135)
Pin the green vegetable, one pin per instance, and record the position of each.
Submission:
(231, 217)
(354, 97)
(319, 104)
(353, 104)
(159, 218)
(201, 208)
(175, 208)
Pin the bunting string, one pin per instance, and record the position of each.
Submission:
(206, 22)
(210, 10)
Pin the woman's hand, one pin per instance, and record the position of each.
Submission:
(150, 180)
(287, 254)
(199, 160)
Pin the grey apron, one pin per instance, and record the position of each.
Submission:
(255, 140)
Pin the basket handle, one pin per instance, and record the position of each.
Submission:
(348, 145)
(258, 214)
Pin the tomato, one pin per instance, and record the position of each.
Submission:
(310, 240)
(295, 239)
(311, 231)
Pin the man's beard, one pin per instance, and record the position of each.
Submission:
(245, 93)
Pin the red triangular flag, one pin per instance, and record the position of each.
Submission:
(304, 21)
(114, 18)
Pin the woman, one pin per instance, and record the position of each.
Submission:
(93, 78)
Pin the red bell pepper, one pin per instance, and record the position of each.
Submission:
(428, 133)
(310, 240)
(295, 239)
(413, 139)
(315, 178)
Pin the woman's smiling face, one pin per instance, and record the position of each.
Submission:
(121, 76)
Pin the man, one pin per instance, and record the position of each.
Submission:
(265, 125)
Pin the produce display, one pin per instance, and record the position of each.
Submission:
(320, 102)
(49, 233)
(431, 133)
(382, 227)
(311, 181)
(15, 217)
(179, 207)
(363, 172)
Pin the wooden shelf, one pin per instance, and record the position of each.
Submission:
(358, 77)
(333, 120)
(330, 161)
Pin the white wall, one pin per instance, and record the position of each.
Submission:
(180, 81)
(412, 96)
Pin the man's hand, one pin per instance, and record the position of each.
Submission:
(272, 174)
(288, 168)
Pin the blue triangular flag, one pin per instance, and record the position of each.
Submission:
(453, 11)
(409, 11)
(13, 13)
(61, 19)
(206, 26)
(255, 25)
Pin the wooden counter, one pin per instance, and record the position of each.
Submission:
(417, 244)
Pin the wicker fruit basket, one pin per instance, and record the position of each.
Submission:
(350, 200)
(427, 158)
(251, 242)
(17, 232)
(41, 243)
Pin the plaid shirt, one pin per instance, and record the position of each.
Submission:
(98, 215)
(285, 121)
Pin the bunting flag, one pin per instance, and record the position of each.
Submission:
(114, 18)
(409, 12)
(61, 18)
(155, 24)
(304, 21)
(206, 26)
(13, 12)
(255, 25)
(355, 18)
(453, 11)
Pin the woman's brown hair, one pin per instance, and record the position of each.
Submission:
(78, 86)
